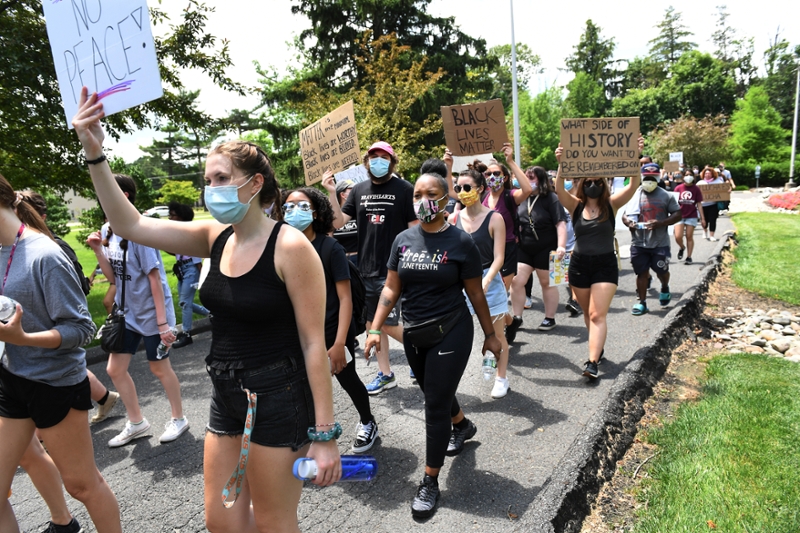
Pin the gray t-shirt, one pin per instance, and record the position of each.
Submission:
(657, 205)
(45, 284)
(140, 308)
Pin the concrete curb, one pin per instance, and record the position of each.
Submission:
(96, 354)
(566, 498)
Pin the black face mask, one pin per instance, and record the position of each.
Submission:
(592, 190)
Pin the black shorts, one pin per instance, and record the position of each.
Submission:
(644, 259)
(44, 404)
(586, 270)
(509, 267)
(151, 342)
(373, 288)
(284, 410)
(537, 253)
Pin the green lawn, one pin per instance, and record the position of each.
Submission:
(767, 255)
(733, 457)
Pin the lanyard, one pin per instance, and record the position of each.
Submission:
(11, 256)
(530, 217)
(238, 475)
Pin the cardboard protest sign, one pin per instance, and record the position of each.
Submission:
(559, 269)
(600, 147)
(331, 143)
(105, 46)
(355, 174)
(672, 166)
(676, 156)
(717, 192)
(473, 129)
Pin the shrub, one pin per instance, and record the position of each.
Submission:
(786, 200)
(772, 174)
(742, 188)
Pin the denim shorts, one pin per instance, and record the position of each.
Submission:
(374, 287)
(284, 410)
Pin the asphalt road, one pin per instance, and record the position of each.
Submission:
(489, 487)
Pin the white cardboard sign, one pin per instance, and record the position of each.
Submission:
(107, 46)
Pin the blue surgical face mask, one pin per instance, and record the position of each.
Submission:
(568, 185)
(515, 183)
(224, 205)
(297, 218)
(379, 167)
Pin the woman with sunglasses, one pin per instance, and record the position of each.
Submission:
(309, 211)
(271, 399)
(593, 270)
(487, 229)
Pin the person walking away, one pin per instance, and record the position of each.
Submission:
(690, 199)
(649, 220)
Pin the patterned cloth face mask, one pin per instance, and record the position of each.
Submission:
(427, 209)
(468, 198)
(494, 181)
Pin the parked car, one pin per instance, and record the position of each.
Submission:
(159, 211)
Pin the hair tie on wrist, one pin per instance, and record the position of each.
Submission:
(17, 200)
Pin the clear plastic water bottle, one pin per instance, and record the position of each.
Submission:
(7, 308)
(163, 349)
(354, 468)
(489, 366)
(641, 225)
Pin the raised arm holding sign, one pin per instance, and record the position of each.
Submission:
(599, 147)
(331, 143)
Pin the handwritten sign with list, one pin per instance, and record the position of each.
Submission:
(473, 129)
(107, 46)
(331, 143)
(600, 147)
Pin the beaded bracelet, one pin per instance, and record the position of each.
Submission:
(324, 436)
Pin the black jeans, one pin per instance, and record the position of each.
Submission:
(711, 213)
(444, 364)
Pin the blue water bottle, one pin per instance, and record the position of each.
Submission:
(354, 468)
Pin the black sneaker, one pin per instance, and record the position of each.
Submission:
(511, 329)
(458, 437)
(72, 527)
(547, 324)
(182, 340)
(680, 254)
(688, 260)
(574, 308)
(590, 369)
(365, 436)
(427, 495)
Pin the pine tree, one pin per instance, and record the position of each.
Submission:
(670, 44)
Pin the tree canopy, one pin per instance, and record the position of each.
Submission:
(670, 43)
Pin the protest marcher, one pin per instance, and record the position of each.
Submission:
(253, 260)
(710, 209)
(656, 210)
(149, 317)
(187, 270)
(572, 306)
(593, 268)
(542, 230)
(382, 208)
(347, 235)
(690, 199)
(725, 175)
(43, 382)
(487, 229)
(431, 288)
(309, 211)
(106, 399)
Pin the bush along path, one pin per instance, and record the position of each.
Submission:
(718, 447)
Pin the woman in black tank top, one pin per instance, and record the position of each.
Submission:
(271, 396)
(488, 230)
(593, 273)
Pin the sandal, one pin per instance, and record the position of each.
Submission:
(639, 309)
(664, 298)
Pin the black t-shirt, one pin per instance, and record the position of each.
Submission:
(545, 214)
(431, 267)
(381, 212)
(336, 270)
(347, 236)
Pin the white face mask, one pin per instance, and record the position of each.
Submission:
(649, 185)
(688, 180)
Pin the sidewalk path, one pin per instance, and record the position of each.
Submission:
(489, 487)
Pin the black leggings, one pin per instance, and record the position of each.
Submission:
(351, 383)
(445, 363)
(711, 212)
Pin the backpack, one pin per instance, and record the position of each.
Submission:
(358, 290)
(85, 285)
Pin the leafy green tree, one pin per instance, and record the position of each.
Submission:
(703, 141)
(35, 144)
(527, 65)
(670, 43)
(183, 192)
(540, 126)
(593, 56)
(165, 157)
(586, 97)
(781, 63)
(736, 54)
(58, 216)
(653, 106)
(756, 132)
(701, 85)
(642, 73)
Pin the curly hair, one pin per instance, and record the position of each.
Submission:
(542, 179)
(323, 222)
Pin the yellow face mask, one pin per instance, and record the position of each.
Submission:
(468, 198)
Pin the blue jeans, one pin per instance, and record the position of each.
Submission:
(186, 290)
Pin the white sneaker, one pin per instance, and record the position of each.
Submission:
(528, 302)
(174, 429)
(104, 410)
(500, 388)
(131, 431)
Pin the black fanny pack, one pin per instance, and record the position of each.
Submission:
(431, 332)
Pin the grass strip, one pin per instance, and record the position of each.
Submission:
(766, 258)
(730, 461)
